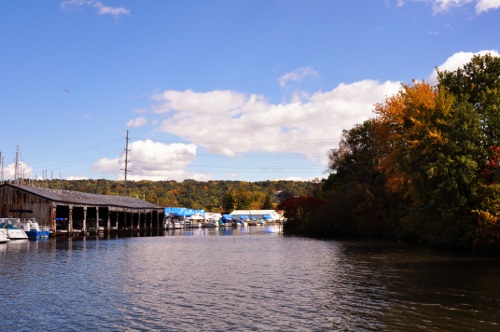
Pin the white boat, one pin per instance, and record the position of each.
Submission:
(3, 235)
(194, 221)
(210, 223)
(172, 224)
(241, 222)
(13, 232)
(32, 229)
(196, 224)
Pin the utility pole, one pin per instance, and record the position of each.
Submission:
(126, 165)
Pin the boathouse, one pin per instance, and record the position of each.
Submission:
(65, 211)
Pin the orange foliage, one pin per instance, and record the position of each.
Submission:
(407, 125)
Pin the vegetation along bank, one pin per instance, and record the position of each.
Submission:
(425, 168)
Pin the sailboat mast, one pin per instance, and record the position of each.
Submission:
(126, 165)
(16, 166)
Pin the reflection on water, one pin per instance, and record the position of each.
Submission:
(243, 279)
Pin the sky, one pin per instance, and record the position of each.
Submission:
(247, 90)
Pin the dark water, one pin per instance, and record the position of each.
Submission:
(251, 280)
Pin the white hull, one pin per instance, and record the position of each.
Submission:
(173, 224)
(13, 231)
(3, 235)
(210, 224)
(16, 234)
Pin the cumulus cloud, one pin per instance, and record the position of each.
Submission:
(483, 6)
(458, 60)
(297, 75)
(230, 123)
(97, 5)
(153, 161)
(23, 170)
(137, 122)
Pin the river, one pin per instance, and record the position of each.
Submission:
(253, 279)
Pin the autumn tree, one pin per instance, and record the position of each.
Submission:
(300, 215)
(428, 154)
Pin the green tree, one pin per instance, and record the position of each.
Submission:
(243, 200)
(476, 86)
(267, 204)
(355, 188)
(477, 83)
(228, 202)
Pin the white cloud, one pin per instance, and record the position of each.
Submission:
(154, 161)
(298, 75)
(98, 5)
(440, 6)
(76, 177)
(137, 122)
(9, 171)
(456, 61)
(483, 6)
(443, 6)
(230, 123)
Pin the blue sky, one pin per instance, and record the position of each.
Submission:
(213, 90)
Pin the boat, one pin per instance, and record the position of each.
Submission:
(177, 224)
(196, 220)
(210, 223)
(13, 232)
(241, 221)
(227, 220)
(4, 237)
(32, 229)
(172, 224)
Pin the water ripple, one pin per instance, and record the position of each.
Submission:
(248, 281)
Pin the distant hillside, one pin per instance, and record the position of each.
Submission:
(212, 195)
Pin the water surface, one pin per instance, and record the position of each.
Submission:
(253, 279)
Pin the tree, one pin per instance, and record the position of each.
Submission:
(477, 86)
(228, 202)
(299, 213)
(355, 188)
(428, 154)
(267, 204)
(243, 200)
(478, 83)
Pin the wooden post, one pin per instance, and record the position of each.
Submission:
(97, 219)
(84, 226)
(53, 222)
(70, 219)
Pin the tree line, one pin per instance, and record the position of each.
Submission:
(211, 196)
(425, 168)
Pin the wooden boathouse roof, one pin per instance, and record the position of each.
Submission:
(76, 197)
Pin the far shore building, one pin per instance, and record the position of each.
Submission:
(268, 215)
(64, 211)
